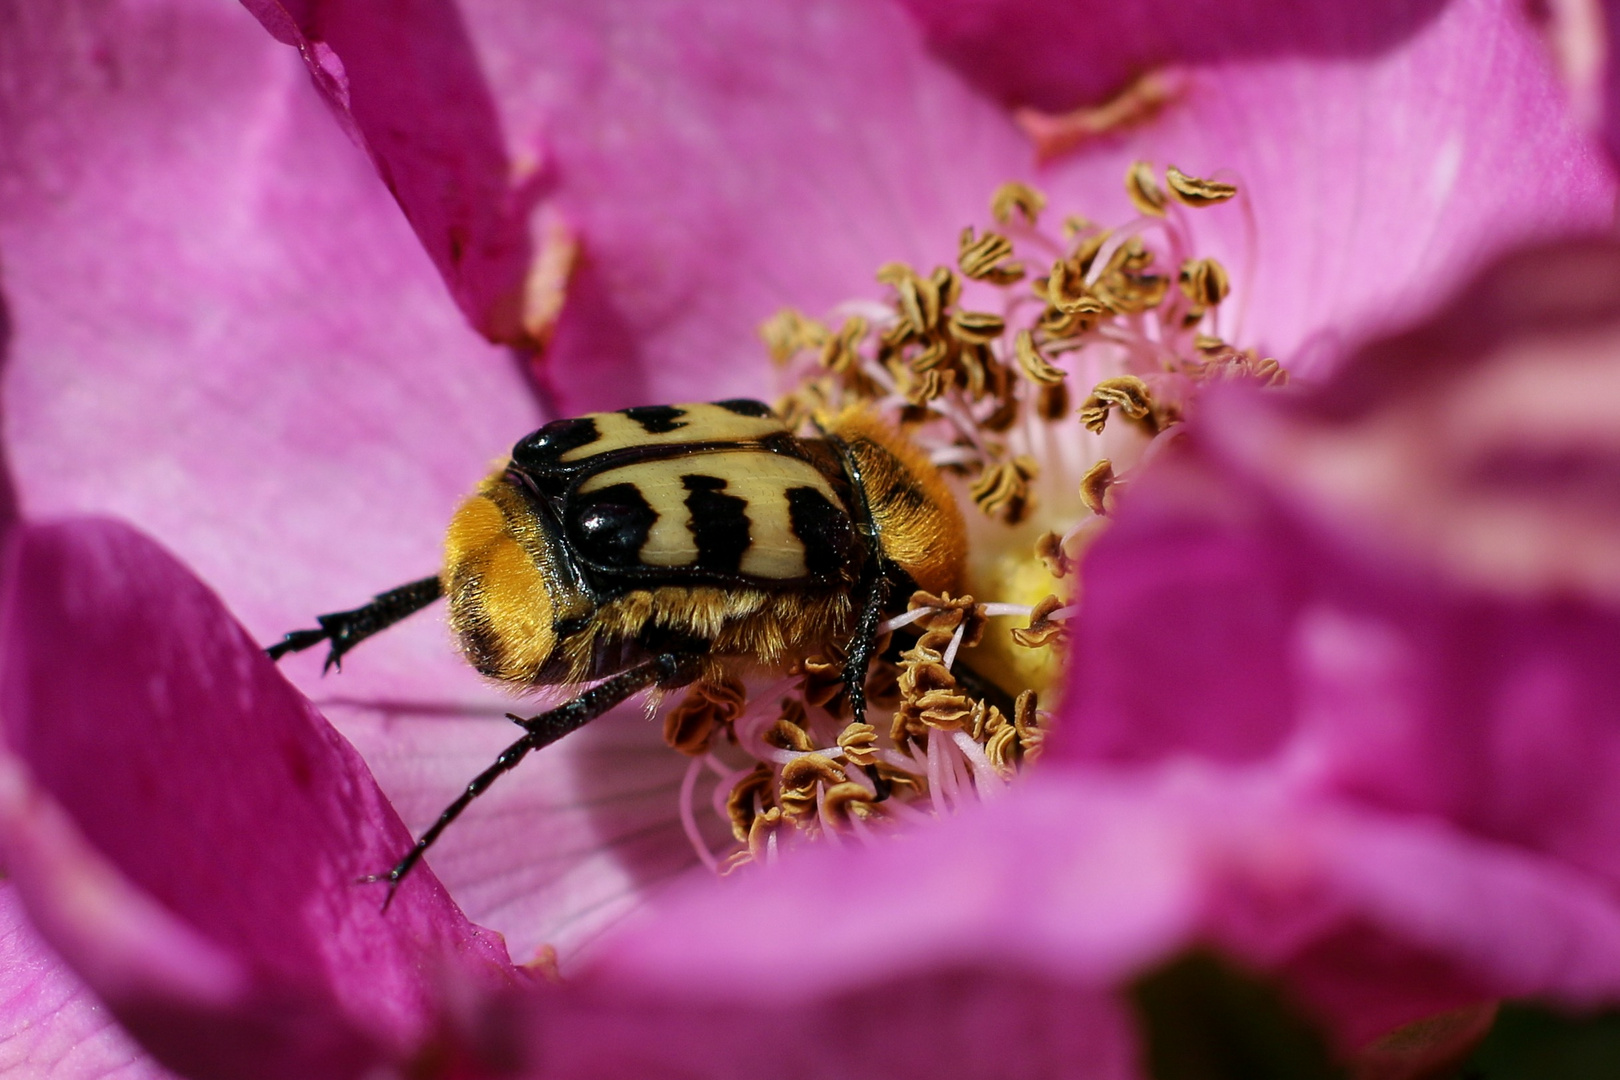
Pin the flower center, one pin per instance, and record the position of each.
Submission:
(981, 366)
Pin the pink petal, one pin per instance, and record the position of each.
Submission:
(718, 162)
(1023, 53)
(715, 166)
(1378, 184)
(225, 333)
(560, 849)
(1186, 632)
(1066, 891)
(956, 1022)
(189, 832)
(1607, 80)
(404, 81)
(1405, 587)
(54, 1026)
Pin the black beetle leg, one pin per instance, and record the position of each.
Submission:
(858, 662)
(346, 629)
(669, 669)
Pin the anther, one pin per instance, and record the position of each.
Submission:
(788, 332)
(1003, 489)
(1204, 282)
(1127, 393)
(984, 258)
(1144, 190)
(1195, 191)
(859, 744)
(1014, 197)
(1037, 367)
(1094, 486)
(977, 327)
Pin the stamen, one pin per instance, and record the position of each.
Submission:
(956, 643)
(986, 781)
(689, 817)
(1003, 490)
(1037, 367)
(858, 742)
(1095, 484)
(889, 625)
(1144, 191)
(1016, 197)
(1043, 629)
(1127, 393)
(1005, 609)
(1204, 282)
(985, 258)
(1195, 191)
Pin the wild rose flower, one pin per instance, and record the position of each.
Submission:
(627, 147)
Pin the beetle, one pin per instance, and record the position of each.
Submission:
(659, 545)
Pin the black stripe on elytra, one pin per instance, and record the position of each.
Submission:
(540, 451)
(720, 526)
(746, 407)
(608, 526)
(822, 528)
(657, 419)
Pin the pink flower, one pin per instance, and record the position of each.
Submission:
(223, 331)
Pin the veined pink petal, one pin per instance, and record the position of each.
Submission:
(54, 1026)
(192, 831)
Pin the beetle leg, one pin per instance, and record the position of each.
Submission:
(346, 629)
(669, 669)
(858, 661)
(858, 655)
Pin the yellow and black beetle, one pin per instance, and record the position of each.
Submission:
(658, 545)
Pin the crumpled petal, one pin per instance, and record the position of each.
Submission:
(1404, 586)
(446, 164)
(188, 832)
(54, 1026)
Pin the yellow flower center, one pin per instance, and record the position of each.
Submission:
(1038, 373)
